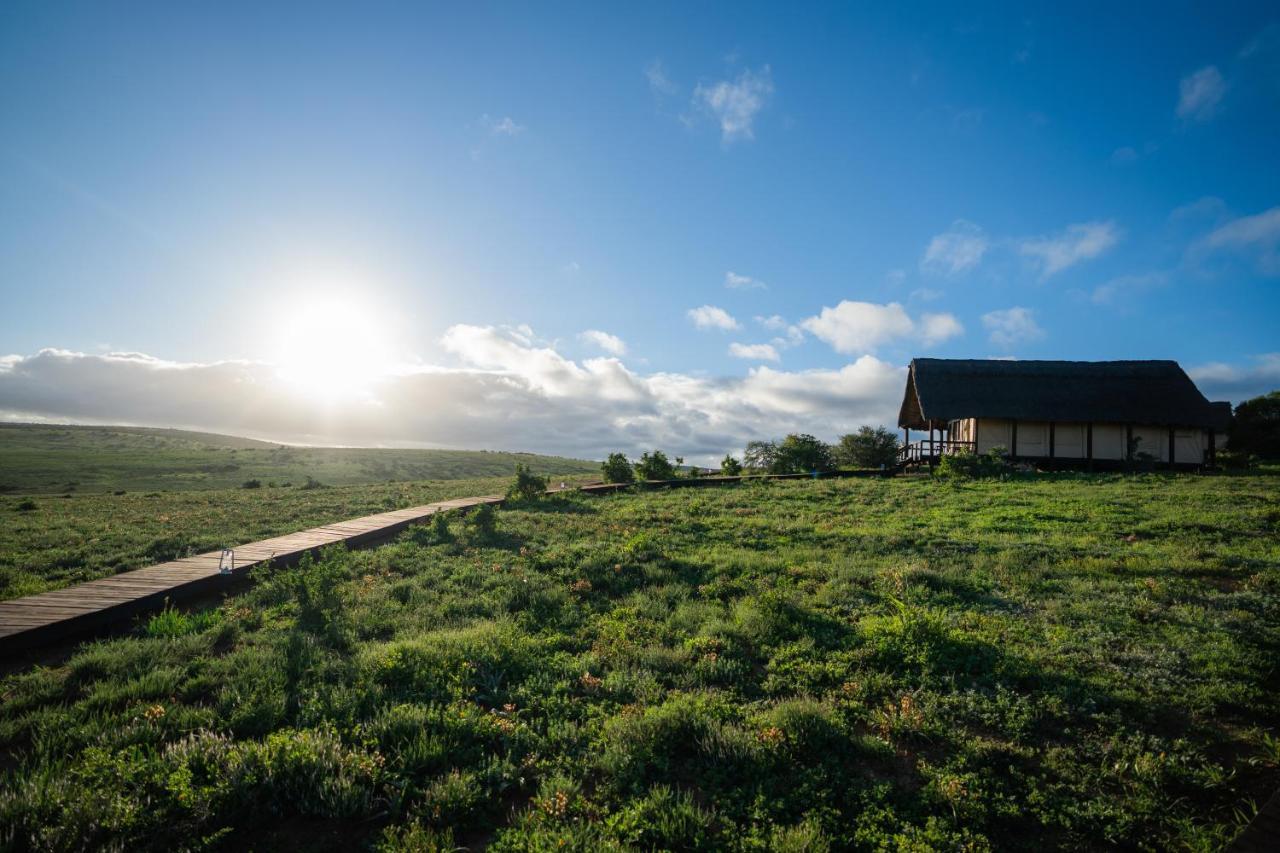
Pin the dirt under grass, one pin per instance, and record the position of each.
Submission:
(1061, 662)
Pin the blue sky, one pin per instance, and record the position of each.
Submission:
(766, 212)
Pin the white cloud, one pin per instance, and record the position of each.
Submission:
(743, 282)
(936, 328)
(505, 126)
(754, 352)
(1011, 327)
(955, 250)
(1077, 243)
(711, 317)
(1219, 381)
(790, 335)
(659, 82)
(1125, 287)
(1123, 155)
(1258, 234)
(858, 327)
(926, 294)
(507, 392)
(1200, 93)
(774, 322)
(609, 343)
(734, 104)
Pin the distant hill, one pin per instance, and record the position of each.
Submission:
(41, 458)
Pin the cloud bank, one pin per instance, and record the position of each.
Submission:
(507, 391)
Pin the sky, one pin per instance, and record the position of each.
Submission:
(578, 228)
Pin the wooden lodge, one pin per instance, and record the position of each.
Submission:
(1060, 413)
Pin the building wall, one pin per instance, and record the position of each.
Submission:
(1108, 441)
(1071, 440)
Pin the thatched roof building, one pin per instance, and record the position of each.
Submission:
(1141, 392)
(1044, 402)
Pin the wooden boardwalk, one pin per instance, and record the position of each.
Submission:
(51, 616)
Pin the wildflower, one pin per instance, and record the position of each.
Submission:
(772, 736)
(590, 682)
(155, 712)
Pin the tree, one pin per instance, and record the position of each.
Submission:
(655, 466)
(730, 467)
(800, 453)
(759, 455)
(869, 447)
(617, 469)
(528, 486)
(1256, 427)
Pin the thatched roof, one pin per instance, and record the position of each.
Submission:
(1139, 392)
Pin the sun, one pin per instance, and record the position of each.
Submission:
(332, 350)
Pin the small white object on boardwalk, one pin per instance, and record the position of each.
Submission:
(51, 616)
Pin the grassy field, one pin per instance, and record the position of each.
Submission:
(52, 541)
(38, 459)
(1050, 663)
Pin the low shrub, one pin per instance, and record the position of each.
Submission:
(482, 522)
(617, 469)
(655, 466)
(973, 466)
(251, 484)
(1236, 460)
(528, 486)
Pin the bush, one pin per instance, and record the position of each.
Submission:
(972, 466)
(26, 505)
(311, 483)
(655, 466)
(528, 486)
(800, 453)
(730, 467)
(869, 447)
(482, 522)
(1235, 460)
(617, 469)
(251, 484)
(1256, 427)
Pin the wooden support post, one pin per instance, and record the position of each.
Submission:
(1088, 444)
(1172, 437)
(906, 444)
(1213, 450)
(1013, 449)
(975, 435)
(1051, 440)
(1128, 442)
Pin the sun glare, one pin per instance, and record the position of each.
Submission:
(332, 350)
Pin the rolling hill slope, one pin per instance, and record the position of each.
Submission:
(38, 458)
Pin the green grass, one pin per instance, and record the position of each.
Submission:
(1050, 663)
(39, 459)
